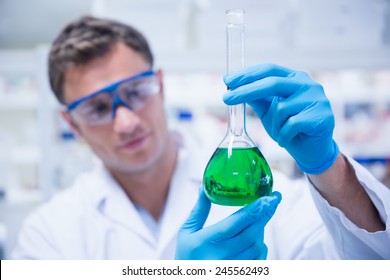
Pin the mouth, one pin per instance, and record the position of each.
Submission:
(134, 144)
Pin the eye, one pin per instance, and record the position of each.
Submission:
(130, 92)
(98, 108)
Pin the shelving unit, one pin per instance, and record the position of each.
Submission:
(27, 126)
(18, 113)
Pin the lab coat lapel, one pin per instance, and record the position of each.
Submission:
(182, 196)
(118, 207)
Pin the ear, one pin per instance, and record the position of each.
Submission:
(73, 126)
(159, 74)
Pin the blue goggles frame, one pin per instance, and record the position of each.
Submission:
(111, 89)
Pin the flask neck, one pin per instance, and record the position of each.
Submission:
(235, 45)
(236, 119)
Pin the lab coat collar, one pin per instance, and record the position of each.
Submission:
(111, 201)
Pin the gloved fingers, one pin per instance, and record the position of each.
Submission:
(239, 247)
(278, 195)
(262, 209)
(260, 89)
(254, 73)
(246, 239)
(251, 252)
(311, 122)
(251, 234)
(262, 107)
(275, 111)
(198, 215)
(263, 253)
(282, 109)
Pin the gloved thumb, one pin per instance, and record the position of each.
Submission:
(199, 214)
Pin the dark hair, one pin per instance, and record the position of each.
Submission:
(86, 39)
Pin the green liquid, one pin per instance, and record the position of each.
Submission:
(239, 178)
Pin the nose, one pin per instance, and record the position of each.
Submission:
(126, 120)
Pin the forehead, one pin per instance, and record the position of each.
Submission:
(121, 62)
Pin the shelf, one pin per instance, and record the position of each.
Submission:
(25, 155)
(214, 60)
(19, 195)
(23, 101)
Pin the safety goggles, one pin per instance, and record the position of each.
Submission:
(99, 108)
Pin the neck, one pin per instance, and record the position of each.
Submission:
(149, 189)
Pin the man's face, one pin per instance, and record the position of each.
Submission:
(132, 141)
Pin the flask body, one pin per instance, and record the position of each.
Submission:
(237, 176)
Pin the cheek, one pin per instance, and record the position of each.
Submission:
(96, 137)
(159, 117)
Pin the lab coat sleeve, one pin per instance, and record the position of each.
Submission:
(55, 229)
(34, 240)
(353, 242)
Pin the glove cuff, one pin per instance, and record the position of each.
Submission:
(333, 153)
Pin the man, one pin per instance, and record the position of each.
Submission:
(137, 204)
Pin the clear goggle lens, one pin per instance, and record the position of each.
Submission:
(100, 108)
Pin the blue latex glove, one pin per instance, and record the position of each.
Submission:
(293, 109)
(239, 236)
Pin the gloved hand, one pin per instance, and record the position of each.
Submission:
(293, 109)
(239, 236)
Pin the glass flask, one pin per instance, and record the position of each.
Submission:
(237, 173)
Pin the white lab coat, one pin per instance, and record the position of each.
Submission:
(94, 219)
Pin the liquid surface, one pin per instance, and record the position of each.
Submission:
(238, 178)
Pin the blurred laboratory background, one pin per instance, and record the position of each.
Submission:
(344, 44)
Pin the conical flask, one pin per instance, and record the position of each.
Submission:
(237, 173)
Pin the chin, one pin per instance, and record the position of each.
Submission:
(134, 166)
